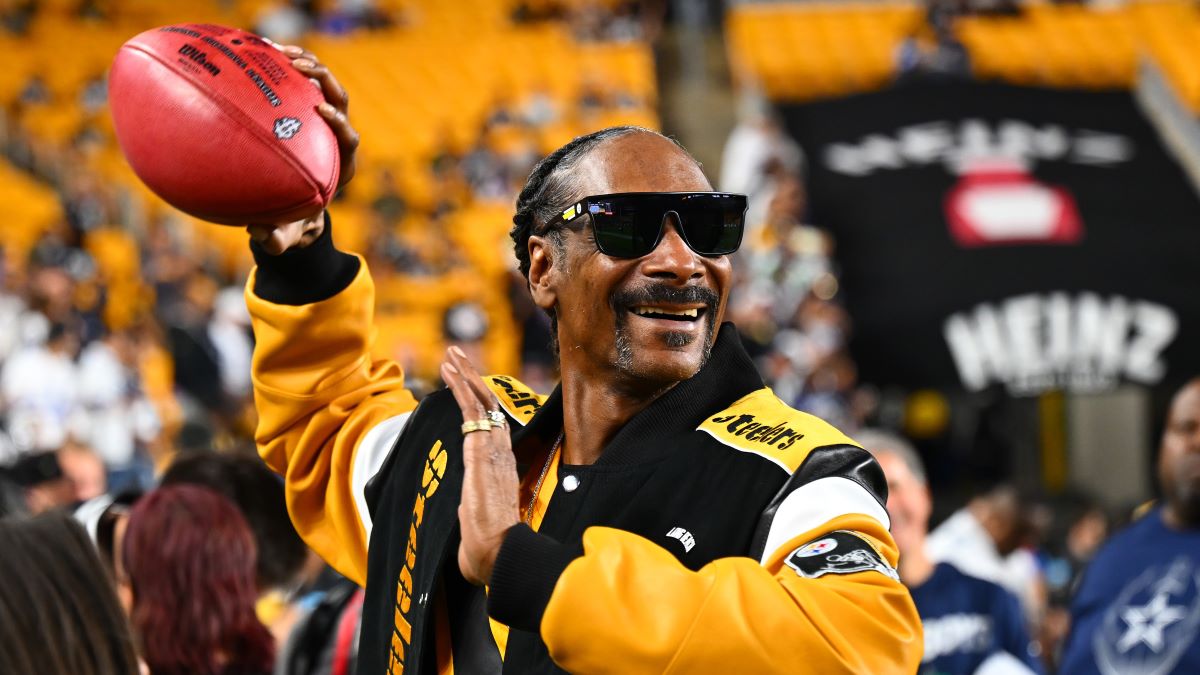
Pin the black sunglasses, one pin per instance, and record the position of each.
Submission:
(631, 224)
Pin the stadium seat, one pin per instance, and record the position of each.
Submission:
(803, 50)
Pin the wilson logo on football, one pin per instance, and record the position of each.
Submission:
(998, 203)
(286, 127)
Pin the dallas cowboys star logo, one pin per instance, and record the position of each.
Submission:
(1152, 622)
(1146, 623)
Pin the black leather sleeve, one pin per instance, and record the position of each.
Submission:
(845, 461)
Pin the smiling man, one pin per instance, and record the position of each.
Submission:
(1137, 608)
(660, 511)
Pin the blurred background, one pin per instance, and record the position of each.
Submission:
(972, 222)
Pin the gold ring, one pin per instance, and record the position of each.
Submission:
(497, 418)
(476, 425)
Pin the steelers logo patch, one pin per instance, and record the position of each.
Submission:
(819, 547)
(839, 552)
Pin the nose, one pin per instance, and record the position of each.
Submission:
(672, 259)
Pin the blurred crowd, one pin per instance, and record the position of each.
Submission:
(288, 20)
(124, 338)
(126, 416)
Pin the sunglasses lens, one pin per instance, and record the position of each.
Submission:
(630, 226)
(625, 228)
(713, 226)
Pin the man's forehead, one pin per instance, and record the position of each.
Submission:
(639, 162)
(1186, 405)
(893, 465)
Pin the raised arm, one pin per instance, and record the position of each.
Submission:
(328, 413)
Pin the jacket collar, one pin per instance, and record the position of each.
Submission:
(728, 375)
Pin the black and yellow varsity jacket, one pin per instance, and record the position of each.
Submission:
(720, 532)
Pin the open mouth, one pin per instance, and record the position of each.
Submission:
(683, 314)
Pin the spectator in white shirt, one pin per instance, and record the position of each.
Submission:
(983, 539)
(119, 415)
(40, 389)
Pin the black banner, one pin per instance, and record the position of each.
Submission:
(992, 235)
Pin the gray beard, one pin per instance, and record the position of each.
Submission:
(678, 339)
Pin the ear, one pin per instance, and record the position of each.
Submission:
(125, 596)
(543, 272)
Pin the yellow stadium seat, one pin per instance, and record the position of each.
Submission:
(803, 50)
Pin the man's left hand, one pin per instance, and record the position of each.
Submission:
(491, 487)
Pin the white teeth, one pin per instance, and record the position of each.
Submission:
(643, 311)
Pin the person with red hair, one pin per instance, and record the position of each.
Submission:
(190, 558)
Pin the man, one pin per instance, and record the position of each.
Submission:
(661, 511)
(971, 625)
(42, 482)
(1137, 609)
(983, 539)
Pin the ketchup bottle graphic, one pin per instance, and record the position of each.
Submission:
(997, 202)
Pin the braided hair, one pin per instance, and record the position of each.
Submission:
(550, 189)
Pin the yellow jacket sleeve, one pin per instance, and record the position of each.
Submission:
(319, 394)
(628, 606)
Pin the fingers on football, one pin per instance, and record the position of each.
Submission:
(333, 90)
(311, 66)
(347, 136)
(336, 109)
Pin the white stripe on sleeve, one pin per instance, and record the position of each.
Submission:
(816, 503)
(372, 450)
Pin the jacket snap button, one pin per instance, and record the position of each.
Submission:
(570, 482)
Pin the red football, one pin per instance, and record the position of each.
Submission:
(218, 123)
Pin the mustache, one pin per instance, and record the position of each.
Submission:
(665, 294)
